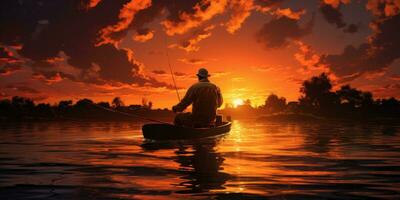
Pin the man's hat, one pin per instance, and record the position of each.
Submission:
(203, 73)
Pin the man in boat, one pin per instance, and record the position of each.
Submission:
(205, 98)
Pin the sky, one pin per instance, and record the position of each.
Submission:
(99, 49)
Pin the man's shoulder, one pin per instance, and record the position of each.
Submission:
(204, 84)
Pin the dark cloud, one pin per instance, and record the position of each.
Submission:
(268, 3)
(9, 68)
(52, 76)
(4, 53)
(395, 77)
(190, 43)
(381, 50)
(143, 35)
(159, 72)
(181, 16)
(46, 28)
(180, 74)
(193, 61)
(333, 16)
(352, 28)
(23, 88)
(8, 63)
(279, 31)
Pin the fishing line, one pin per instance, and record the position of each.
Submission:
(130, 114)
(170, 68)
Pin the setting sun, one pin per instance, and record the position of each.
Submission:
(237, 102)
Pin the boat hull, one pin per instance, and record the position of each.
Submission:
(171, 132)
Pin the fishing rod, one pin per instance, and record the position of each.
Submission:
(170, 69)
(130, 114)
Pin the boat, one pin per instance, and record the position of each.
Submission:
(160, 131)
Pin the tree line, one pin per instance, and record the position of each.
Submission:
(22, 108)
(318, 98)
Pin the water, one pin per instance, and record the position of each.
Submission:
(256, 160)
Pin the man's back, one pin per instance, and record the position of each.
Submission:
(206, 98)
(205, 101)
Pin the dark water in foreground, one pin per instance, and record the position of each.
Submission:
(256, 160)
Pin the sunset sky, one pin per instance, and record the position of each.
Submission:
(99, 49)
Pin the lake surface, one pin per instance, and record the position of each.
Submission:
(69, 160)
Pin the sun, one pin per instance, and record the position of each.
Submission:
(237, 102)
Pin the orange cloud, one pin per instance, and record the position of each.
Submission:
(191, 44)
(281, 31)
(193, 61)
(289, 13)
(203, 11)
(126, 16)
(306, 55)
(241, 9)
(336, 3)
(386, 8)
(395, 77)
(143, 35)
(93, 3)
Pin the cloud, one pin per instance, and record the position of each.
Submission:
(125, 16)
(8, 63)
(202, 11)
(307, 56)
(374, 56)
(241, 10)
(180, 74)
(143, 35)
(289, 13)
(87, 37)
(190, 44)
(262, 68)
(22, 88)
(383, 8)
(92, 4)
(280, 31)
(335, 3)
(395, 77)
(193, 61)
(159, 72)
(8, 69)
(331, 13)
(265, 6)
(388, 90)
(50, 77)
(218, 74)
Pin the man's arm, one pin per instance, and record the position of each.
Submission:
(185, 102)
(219, 96)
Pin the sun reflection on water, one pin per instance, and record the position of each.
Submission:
(258, 160)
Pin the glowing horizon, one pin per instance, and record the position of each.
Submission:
(251, 49)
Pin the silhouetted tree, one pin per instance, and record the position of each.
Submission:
(84, 103)
(317, 95)
(45, 111)
(275, 104)
(293, 106)
(104, 104)
(349, 96)
(247, 102)
(65, 104)
(389, 107)
(355, 102)
(117, 102)
(146, 103)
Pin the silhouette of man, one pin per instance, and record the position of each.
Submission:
(206, 98)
